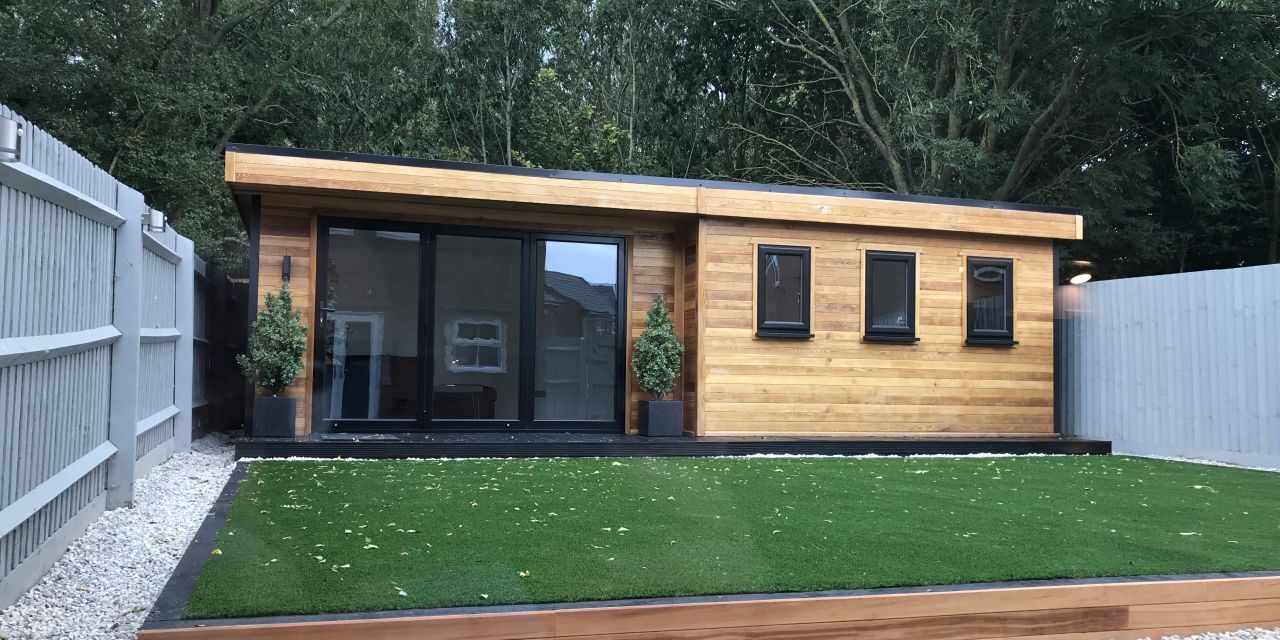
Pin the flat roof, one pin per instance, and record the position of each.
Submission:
(255, 169)
(561, 174)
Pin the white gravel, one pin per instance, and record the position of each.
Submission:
(1244, 634)
(109, 578)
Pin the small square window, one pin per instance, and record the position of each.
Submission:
(891, 297)
(782, 292)
(989, 301)
(476, 345)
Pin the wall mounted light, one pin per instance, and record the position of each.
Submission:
(1081, 271)
(285, 268)
(154, 220)
(10, 134)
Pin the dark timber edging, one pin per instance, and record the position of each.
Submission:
(542, 445)
(177, 591)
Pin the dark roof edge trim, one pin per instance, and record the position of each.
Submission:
(635, 179)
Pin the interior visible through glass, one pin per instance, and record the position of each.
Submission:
(988, 308)
(783, 288)
(889, 294)
(477, 329)
(370, 320)
(577, 327)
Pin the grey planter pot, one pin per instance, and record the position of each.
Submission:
(661, 417)
(273, 416)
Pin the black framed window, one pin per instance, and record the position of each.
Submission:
(989, 301)
(890, 297)
(782, 292)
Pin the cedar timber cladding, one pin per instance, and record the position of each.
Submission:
(695, 243)
(836, 382)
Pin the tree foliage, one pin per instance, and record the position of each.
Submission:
(277, 341)
(1160, 118)
(657, 355)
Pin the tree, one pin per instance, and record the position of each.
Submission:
(656, 358)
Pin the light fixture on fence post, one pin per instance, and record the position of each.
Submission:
(10, 133)
(154, 220)
(285, 267)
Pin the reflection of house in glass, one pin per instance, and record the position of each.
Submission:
(576, 334)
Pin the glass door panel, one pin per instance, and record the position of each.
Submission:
(476, 328)
(369, 327)
(576, 317)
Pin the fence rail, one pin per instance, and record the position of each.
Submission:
(96, 343)
(1179, 365)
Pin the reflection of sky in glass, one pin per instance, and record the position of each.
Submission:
(595, 263)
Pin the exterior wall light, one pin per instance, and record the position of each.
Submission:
(154, 220)
(1081, 278)
(10, 134)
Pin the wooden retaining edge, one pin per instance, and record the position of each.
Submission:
(1120, 610)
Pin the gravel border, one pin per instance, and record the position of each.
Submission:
(107, 581)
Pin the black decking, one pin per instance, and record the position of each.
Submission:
(546, 444)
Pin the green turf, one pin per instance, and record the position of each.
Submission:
(307, 537)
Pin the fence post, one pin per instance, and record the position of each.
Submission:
(185, 304)
(127, 318)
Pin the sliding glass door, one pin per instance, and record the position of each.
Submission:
(476, 328)
(577, 328)
(367, 329)
(452, 328)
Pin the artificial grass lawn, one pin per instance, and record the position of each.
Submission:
(310, 537)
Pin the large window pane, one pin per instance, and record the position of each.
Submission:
(477, 329)
(890, 294)
(370, 322)
(577, 323)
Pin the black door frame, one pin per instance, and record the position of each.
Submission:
(428, 234)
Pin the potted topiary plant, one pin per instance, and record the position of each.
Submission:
(656, 364)
(276, 344)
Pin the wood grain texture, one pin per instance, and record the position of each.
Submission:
(258, 172)
(655, 254)
(837, 383)
(1065, 612)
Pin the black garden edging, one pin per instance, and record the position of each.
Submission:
(167, 612)
(545, 445)
(182, 583)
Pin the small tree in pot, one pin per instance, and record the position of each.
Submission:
(656, 364)
(277, 341)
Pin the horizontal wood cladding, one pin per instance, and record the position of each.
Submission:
(265, 172)
(654, 263)
(1119, 611)
(836, 383)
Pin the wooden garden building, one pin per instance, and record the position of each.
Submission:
(450, 297)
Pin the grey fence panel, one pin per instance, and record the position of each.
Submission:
(1180, 365)
(95, 341)
(57, 252)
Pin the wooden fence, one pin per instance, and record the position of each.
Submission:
(96, 331)
(1184, 365)
(220, 333)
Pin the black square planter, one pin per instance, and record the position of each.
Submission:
(273, 416)
(661, 417)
